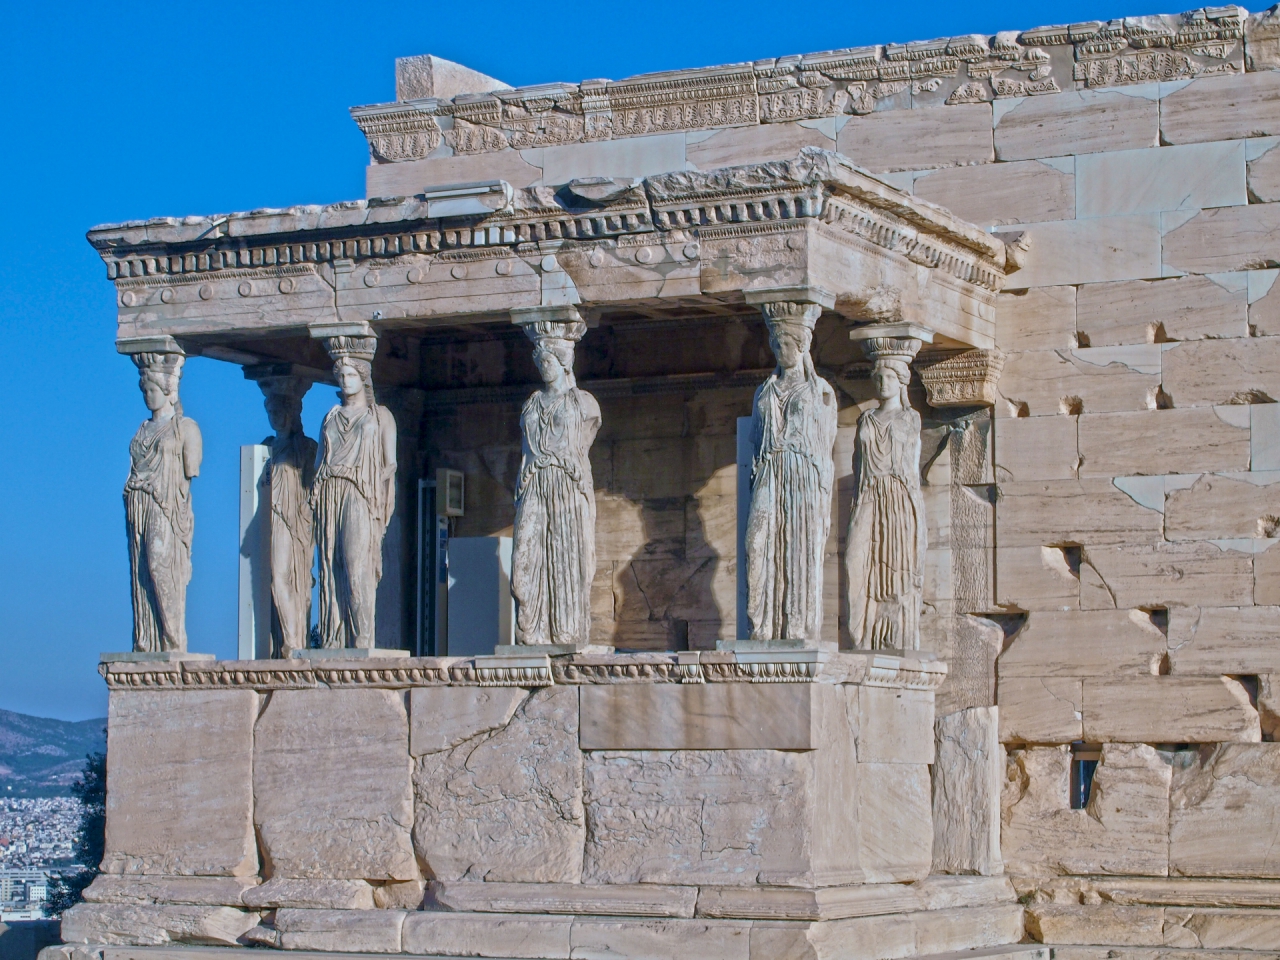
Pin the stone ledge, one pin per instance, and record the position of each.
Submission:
(781, 666)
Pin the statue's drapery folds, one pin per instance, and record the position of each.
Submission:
(288, 482)
(793, 431)
(353, 495)
(887, 536)
(553, 550)
(164, 456)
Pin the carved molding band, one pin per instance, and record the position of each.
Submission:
(965, 380)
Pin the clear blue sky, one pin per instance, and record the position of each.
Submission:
(119, 112)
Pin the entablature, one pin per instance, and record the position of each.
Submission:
(601, 244)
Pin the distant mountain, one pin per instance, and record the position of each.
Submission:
(42, 758)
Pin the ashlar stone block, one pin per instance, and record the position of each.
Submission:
(1102, 643)
(1037, 448)
(507, 804)
(179, 783)
(1027, 191)
(1198, 439)
(1164, 574)
(1076, 122)
(358, 826)
(155, 924)
(1037, 578)
(1160, 178)
(1089, 510)
(341, 931)
(697, 816)
(1123, 830)
(440, 718)
(1096, 380)
(1211, 641)
(915, 139)
(1039, 318)
(1213, 507)
(1093, 251)
(966, 793)
(1225, 819)
(1264, 170)
(1147, 311)
(1168, 710)
(1222, 108)
(1041, 709)
(1220, 240)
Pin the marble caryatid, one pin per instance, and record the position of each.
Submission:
(164, 456)
(288, 479)
(554, 549)
(794, 431)
(353, 496)
(884, 549)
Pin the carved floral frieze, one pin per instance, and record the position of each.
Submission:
(953, 70)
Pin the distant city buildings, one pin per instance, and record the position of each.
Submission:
(37, 832)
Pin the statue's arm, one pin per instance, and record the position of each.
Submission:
(388, 432)
(591, 416)
(192, 448)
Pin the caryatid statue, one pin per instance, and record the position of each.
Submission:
(353, 493)
(885, 546)
(164, 456)
(288, 480)
(554, 545)
(793, 431)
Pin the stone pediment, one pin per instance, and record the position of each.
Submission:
(603, 244)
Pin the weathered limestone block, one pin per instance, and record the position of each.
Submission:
(1001, 193)
(1123, 830)
(1264, 175)
(355, 743)
(1209, 372)
(1040, 318)
(312, 894)
(1222, 108)
(915, 139)
(1208, 438)
(1224, 507)
(484, 935)
(342, 931)
(1168, 710)
(1210, 641)
(197, 891)
(621, 899)
(155, 925)
(603, 939)
(179, 787)
(1036, 578)
(440, 718)
(1098, 923)
(1101, 643)
(1225, 813)
(1164, 574)
(1090, 510)
(1266, 576)
(894, 821)
(1100, 380)
(895, 726)
(695, 816)
(1145, 311)
(1075, 122)
(1221, 241)
(1223, 929)
(1041, 709)
(402, 895)
(506, 805)
(703, 716)
(966, 793)
(1036, 448)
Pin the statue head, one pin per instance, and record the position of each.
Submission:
(353, 366)
(284, 403)
(158, 377)
(554, 358)
(889, 378)
(791, 333)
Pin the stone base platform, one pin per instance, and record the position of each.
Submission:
(446, 936)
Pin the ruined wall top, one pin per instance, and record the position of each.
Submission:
(970, 69)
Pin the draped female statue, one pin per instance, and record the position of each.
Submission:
(288, 479)
(353, 497)
(794, 430)
(884, 553)
(164, 456)
(554, 548)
